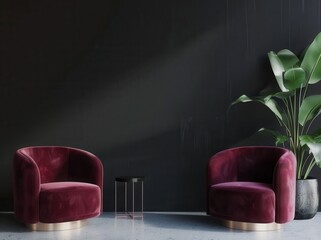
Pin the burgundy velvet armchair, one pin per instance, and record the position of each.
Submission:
(56, 185)
(252, 186)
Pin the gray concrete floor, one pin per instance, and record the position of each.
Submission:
(159, 226)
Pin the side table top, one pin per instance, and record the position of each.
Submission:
(129, 179)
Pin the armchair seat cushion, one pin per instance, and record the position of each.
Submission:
(243, 201)
(68, 201)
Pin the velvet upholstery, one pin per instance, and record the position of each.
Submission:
(59, 201)
(252, 184)
(243, 201)
(56, 184)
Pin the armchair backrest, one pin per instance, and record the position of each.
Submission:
(257, 164)
(251, 163)
(52, 162)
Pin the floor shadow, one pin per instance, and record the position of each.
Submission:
(189, 221)
(10, 224)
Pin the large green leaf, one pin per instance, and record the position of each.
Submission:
(265, 100)
(315, 137)
(274, 107)
(278, 137)
(311, 62)
(305, 139)
(309, 108)
(278, 69)
(314, 144)
(315, 149)
(242, 99)
(283, 95)
(294, 78)
(288, 58)
(275, 92)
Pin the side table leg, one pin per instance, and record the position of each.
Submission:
(133, 184)
(115, 198)
(142, 198)
(125, 197)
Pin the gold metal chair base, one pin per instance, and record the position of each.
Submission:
(56, 226)
(247, 226)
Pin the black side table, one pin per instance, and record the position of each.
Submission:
(132, 180)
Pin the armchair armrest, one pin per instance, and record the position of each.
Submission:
(26, 188)
(284, 181)
(85, 167)
(222, 167)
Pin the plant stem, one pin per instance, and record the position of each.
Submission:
(311, 165)
(312, 120)
(288, 124)
(302, 167)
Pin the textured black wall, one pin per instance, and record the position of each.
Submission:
(145, 85)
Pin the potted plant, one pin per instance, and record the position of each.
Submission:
(296, 111)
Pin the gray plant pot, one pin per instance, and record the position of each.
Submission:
(307, 198)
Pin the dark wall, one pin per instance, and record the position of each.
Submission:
(145, 85)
